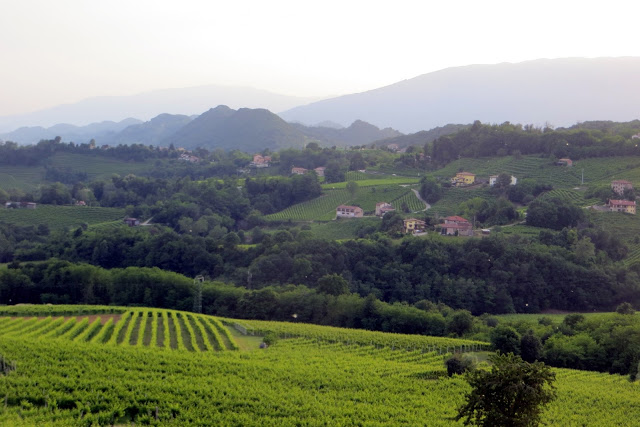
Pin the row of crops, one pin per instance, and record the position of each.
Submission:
(297, 381)
(594, 170)
(61, 217)
(574, 196)
(452, 197)
(141, 328)
(358, 336)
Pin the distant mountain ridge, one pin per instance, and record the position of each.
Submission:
(144, 106)
(358, 133)
(558, 91)
(78, 134)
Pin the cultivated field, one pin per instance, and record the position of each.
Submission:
(68, 372)
(61, 217)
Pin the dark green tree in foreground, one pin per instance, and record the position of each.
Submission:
(512, 393)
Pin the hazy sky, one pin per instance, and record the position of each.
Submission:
(54, 52)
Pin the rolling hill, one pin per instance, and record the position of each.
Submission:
(559, 91)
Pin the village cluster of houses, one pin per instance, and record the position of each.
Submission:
(452, 226)
(463, 179)
(189, 158)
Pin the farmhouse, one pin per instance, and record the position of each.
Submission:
(189, 158)
(260, 161)
(622, 206)
(320, 170)
(494, 178)
(412, 225)
(456, 226)
(132, 222)
(344, 211)
(463, 178)
(564, 162)
(298, 171)
(383, 207)
(619, 186)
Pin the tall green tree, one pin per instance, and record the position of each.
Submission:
(512, 393)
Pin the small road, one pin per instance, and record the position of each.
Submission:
(427, 205)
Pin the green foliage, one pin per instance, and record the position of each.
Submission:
(505, 340)
(553, 213)
(430, 190)
(458, 364)
(512, 393)
(625, 308)
(333, 284)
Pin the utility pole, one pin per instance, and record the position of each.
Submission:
(197, 301)
(582, 176)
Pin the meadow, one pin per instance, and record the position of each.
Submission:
(63, 217)
(75, 371)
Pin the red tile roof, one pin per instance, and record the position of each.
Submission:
(622, 202)
(455, 218)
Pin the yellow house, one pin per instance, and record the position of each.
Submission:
(622, 206)
(463, 178)
(412, 225)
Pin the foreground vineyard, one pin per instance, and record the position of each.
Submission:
(162, 329)
(65, 375)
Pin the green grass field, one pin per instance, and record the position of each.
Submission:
(163, 367)
(21, 177)
(99, 167)
(343, 228)
(61, 217)
(29, 178)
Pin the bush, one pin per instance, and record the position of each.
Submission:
(458, 365)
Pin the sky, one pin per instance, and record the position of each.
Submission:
(63, 51)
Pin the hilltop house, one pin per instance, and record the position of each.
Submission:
(412, 225)
(260, 161)
(456, 225)
(622, 206)
(383, 207)
(344, 211)
(494, 178)
(298, 171)
(619, 186)
(463, 178)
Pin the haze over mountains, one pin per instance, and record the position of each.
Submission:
(558, 91)
(144, 106)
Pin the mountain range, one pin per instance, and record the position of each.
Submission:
(144, 106)
(560, 92)
(220, 127)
